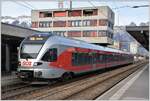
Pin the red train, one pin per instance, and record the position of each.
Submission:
(46, 56)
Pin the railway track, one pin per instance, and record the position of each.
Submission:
(13, 87)
(99, 88)
(18, 90)
(76, 89)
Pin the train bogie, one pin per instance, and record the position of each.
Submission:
(41, 73)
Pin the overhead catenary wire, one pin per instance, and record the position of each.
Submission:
(92, 4)
(21, 4)
(120, 28)
(96, 8)
(120, 7)
(29, 4)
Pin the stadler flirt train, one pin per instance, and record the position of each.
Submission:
(46, 56)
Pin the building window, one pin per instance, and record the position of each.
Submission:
(110, 35)
(89, 22)
(60, 13)
(93, 22)
(86, 22)
(75, 23)
(74, 13)
(34, 24)
(59, 24)
(102, 33)
(45, 14)
(74, 33)
(89, 33)
(59, 33)
(90, 12)
(103, 22)
(112, 14)
(45, 24)
(110, 25)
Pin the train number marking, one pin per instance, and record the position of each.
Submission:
(26, 63)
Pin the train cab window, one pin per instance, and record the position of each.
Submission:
(50, 55)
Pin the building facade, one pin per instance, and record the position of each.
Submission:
(115, 45)
(93, 25)
(134, 47)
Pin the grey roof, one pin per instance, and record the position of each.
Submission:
(79, 8)
(18, 31)
(76, 43)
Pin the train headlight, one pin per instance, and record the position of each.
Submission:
(37, 63)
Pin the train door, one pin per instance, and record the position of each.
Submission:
(94, 60)
(108, 61)
(102, 61)
(105, 60)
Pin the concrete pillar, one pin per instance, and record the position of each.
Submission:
(7, 58)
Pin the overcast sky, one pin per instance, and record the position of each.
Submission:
(123, 16)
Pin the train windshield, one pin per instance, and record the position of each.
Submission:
(30, 50)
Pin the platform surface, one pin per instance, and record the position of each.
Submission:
(134, 87)
(9, 80)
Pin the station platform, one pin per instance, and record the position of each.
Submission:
(134, 87)
(9, 80)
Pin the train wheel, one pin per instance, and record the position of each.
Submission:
(66, 76)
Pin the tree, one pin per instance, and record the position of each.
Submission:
(147, 23)
(24, 24)
(142, 24)
(132, 24)
(16, 22)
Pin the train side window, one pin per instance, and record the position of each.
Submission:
(50, 55)
(100, 57)
(106, 57)
(74, 59)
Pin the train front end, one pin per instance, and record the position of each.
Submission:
(30, 53)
